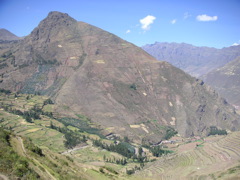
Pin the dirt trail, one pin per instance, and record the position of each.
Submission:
(35, 160)
(23, 148)
(3, 177)
(74, 149)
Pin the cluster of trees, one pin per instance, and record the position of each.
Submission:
(35, 149)
(157, 151)
(133, 170)
(170, 132)
(122, 161)
(82, 124)
(215, 131)
(47, 101)
(3, 65)
(72, 138)
(124, 149)
(34, 113)
(5, 91)
(41, 61)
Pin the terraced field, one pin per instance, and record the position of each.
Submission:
(214, 159)
(38, 131)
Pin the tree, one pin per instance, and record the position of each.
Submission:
(125, 139)
(28, 119)
(51, 125)
(48, 101)
(133, 86)
(140, 151)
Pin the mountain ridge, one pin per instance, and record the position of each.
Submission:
(119, 86)
(194, 60)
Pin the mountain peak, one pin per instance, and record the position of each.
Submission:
(56, 18)
(52, 24)
(59, 16)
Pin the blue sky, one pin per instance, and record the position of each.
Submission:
(213, 23)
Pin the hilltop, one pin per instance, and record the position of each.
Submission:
(118, 86)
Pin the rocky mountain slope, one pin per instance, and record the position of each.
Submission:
(226, 80)
(5, 35)
(119, 86)
(196, 61)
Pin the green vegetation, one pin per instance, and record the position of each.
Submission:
(124, 149)
(5, 91)
(48, 101)
(157, 151)
(35, 149)
(170, 132)
(133, 86)
(81, 60)
(83, 124)
(111, 159)
(132, 170)
(215, 131)
(11, 162)
(72, 137)
(3, 65)
(41, 61)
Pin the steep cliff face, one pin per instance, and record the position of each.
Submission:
(119, 86)
(196, 61)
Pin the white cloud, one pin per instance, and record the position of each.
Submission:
(205, 17)
(173, 21)
(146, 22)
(235, 44)
(128, 31)
(186, 15)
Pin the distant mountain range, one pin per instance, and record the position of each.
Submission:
(218, 67)
(6, 35)
(226, 80)
(123, 89)
(196, 61)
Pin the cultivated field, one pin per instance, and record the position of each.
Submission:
(217, 158)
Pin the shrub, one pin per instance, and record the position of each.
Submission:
(215, 131)
(133, 86)
(170, 132)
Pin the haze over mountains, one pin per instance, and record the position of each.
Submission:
(196, 61)
(119, 86)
